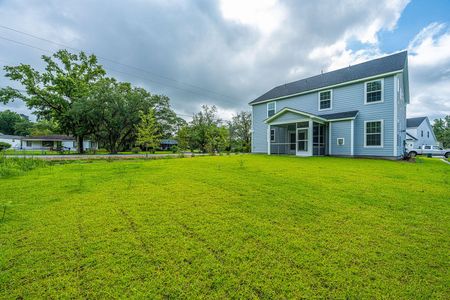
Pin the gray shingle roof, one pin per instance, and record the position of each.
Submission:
(414, 122)
(6, 136)
(54, 137)
(341, 115)
(391, 63)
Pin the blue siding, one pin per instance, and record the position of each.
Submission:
(259, 129)
(341, 129)
(345, 98)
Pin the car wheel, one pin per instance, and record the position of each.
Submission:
(412, 154)
(447, 155)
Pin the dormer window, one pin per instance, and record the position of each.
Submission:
(374, 91)
(325, 100)
(271, 107)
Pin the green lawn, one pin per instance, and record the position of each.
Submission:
(241, 226)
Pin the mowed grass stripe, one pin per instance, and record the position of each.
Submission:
(231, 226)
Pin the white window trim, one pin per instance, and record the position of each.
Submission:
(382, 91)
(331, 100)
(343, 141)
(274, 108)
(270, 135)
(382, 134)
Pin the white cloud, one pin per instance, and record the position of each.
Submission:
(238, 49)
(266, 15)
(429, 66)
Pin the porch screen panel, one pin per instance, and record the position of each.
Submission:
(302, 137)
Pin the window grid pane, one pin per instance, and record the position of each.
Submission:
(373, 133)
(373, 90)
(325, 100)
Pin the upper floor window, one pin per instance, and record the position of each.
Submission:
(325, 100)
(374, 91)
(271, 107)
(373, 133)
(421, 133)
(428, 134)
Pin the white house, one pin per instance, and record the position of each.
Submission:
(54, 141)
(13, 140)
(419, 132)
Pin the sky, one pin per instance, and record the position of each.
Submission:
(228, 52)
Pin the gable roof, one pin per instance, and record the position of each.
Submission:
(327, 117)
(414, 122)
(383, 65)
(295, 111)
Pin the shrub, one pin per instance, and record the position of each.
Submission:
(16, 166)
(135, 150)
(4, 146)
(174, 149)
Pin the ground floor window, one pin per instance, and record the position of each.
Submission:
(373, 133)
(29, 144)
(272, 135)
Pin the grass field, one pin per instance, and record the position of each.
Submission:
(228, 227)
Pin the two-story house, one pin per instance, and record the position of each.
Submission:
(419, 132)
(355, 111)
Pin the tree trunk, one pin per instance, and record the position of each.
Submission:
(80, 144)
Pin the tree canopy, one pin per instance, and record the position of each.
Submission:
(14, 124)
(441, 128)
(54, 93)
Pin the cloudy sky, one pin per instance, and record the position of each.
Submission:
(231, 51)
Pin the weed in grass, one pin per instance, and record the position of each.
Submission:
(16, 166)
(241, 163)
(5, 205)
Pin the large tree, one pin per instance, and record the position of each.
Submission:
(205, 132)
(54, 93)
(114, 109)
(14, 123)
(45, 127)
(441, 128)
(148, 131)
(240, 135)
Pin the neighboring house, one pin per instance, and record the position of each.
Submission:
(166, 144)
(419, 132)
(13, 140)
(54, 141)
(359, 110)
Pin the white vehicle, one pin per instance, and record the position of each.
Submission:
(428, 150)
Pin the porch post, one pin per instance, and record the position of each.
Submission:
(329, 138)
(268, 139)
(310, 138)
(352, 129)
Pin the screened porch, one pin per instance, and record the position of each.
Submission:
(308, 138)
